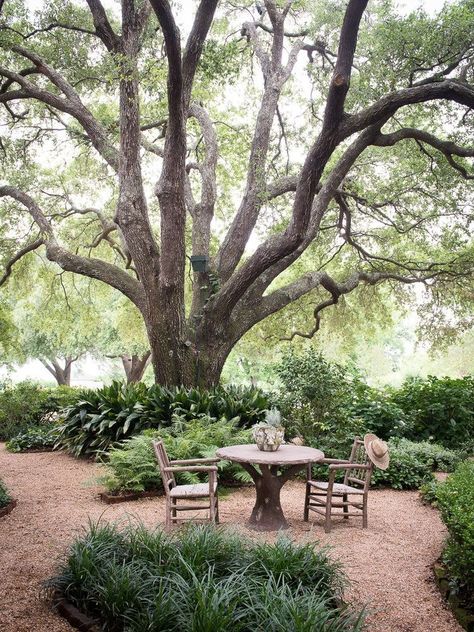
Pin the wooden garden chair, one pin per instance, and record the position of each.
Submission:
(345, 499)
(177, 493)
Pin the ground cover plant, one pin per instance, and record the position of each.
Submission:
(201, 580)
(27, 404)
(132, 466)
(114, 413)
(5, 498)
(34, 438)
(455, 498)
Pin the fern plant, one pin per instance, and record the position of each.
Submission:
(132, 466)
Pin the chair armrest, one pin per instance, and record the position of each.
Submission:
(192, 468)
(191, 461)
(350, 466)
(331, 461)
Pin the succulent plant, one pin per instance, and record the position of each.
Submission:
(273, 417)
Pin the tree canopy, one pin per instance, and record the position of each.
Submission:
(303, 150)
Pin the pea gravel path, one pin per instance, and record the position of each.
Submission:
(388, 564)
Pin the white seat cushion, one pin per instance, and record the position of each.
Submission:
(338, 488)
(189, 491)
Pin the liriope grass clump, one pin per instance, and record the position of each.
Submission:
(203, 579)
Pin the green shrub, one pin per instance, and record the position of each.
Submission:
(5, 497)
(27, 404)
(437, 457)
(203, 579)
(315, 399)
(429, 492)
(442, 409)
(412, 464)
(456, 502)
(34, 438)
(405, 471)
(132, 466)
(378, 411)
(107, 416)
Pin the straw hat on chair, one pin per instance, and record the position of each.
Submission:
(377, 451)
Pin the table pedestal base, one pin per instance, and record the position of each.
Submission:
(270, 471)
(267, 514)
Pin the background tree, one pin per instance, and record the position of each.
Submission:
(125, 338)
(353, 171)
(65, 318)
(56, 320)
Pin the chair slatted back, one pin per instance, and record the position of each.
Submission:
(163, 461)
(357, 477)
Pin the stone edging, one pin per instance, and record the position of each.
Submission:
(75, 617)
(6, 510)
(463, 616)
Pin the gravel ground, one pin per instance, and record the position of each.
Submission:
(389, 564)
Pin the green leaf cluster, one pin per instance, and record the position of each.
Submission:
(5, 498)
(27, 405)
(132, 466)
(202, 579)
(113, 413)
(441, 409)
(314, 399)
(34, 438)
(456, 501)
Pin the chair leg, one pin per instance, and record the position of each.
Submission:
(306, 503)
(364, 514)
(168, 514)
(173, 511)
(345, 508)
(217, 508)
(327, 523)
(212, 509)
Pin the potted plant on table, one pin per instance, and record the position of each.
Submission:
(269, 434)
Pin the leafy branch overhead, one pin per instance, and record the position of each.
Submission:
(301, 148)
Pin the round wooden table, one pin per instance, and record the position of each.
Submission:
(267, 514)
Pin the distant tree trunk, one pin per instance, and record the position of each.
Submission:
(62, 375)
(135, 365)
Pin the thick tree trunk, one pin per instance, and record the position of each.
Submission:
(195, 361)
(135, 366)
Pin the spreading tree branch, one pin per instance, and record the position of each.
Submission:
(103, 28)
(449, 89)
(71, 104)
(71, 262)
(21, 253)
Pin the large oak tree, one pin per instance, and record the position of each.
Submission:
(356, 171)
